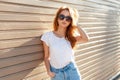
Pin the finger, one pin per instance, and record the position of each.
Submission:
(53, 74)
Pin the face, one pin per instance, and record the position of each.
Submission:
(64, 19)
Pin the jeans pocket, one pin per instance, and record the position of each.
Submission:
(74, 73)
(55, 77)
(73, 67)
(74, 70)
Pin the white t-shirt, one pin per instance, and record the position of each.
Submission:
(61, 52)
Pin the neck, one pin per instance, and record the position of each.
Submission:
(61, 31)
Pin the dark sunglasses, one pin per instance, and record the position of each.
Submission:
(62, 17)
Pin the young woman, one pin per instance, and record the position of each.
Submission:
(59, 43)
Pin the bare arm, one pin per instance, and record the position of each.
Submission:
(46, 60)
(83, 37)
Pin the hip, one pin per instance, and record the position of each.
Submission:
(69, 72)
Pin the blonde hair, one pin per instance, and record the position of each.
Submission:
(69, 33)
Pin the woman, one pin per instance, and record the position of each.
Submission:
(59, 43)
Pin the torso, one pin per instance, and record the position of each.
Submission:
(61, 52)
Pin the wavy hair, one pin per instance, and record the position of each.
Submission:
(70, 29)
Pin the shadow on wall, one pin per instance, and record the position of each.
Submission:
(23, 61)
(111, 46)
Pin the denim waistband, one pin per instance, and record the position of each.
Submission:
(62, 69)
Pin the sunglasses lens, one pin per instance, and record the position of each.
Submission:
(61, 17)
(68, 18)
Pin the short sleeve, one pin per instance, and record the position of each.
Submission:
(45, 38)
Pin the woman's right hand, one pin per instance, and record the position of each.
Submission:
(51, 74)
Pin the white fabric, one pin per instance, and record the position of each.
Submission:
(61, 52)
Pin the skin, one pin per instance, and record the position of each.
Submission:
(61, 33)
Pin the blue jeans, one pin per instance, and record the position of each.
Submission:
(69, 72)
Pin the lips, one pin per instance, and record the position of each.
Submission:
(64, 23)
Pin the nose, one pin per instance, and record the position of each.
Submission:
(64, 19)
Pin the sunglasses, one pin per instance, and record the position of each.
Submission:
(62, 17)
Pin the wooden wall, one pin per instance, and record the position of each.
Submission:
(22, 22)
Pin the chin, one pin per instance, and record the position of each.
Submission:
(65, 26)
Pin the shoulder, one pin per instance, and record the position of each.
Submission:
(46, 37)
(47, 33)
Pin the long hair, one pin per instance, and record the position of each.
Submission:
(72, 26)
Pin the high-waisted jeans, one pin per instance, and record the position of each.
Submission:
(69, 72)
